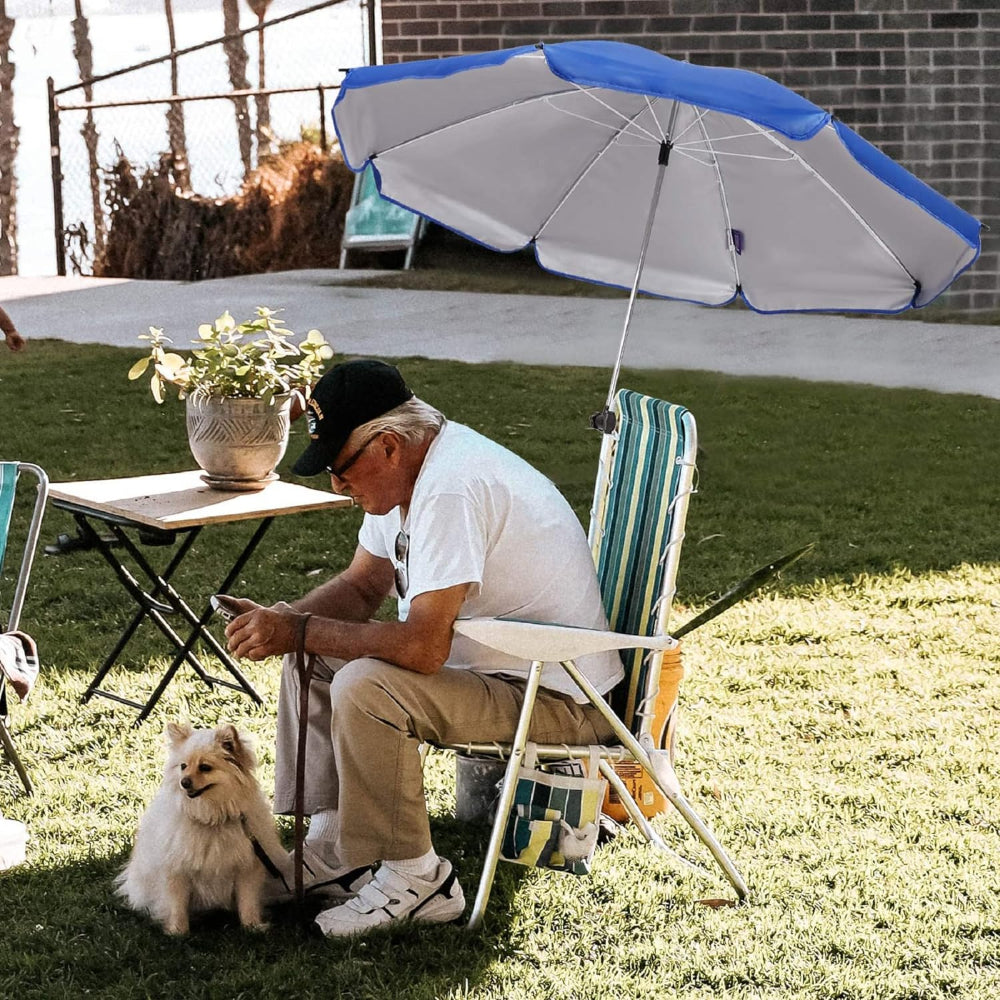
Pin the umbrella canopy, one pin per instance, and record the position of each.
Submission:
(623, 166)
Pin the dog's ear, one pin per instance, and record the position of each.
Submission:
(178, 732)
(236, 746)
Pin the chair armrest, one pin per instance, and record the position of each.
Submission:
(552, 643)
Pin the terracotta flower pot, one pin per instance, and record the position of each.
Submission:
(238, 442)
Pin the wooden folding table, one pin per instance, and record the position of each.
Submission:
(171, 510)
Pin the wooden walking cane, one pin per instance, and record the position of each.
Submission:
(304, 668)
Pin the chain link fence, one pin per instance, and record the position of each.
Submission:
(215, 126)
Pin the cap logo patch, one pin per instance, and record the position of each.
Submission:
(314, 414)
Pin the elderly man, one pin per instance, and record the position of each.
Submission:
(455, 525)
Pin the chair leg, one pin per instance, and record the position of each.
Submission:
(642, 822)
(657, 765)
(8, 745)
(506, 800)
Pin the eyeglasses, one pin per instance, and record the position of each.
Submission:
(339, 473)
(402, 550)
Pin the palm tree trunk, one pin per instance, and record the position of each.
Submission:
(262, 101)
(8, 150)
(236, 56)
(175, 113)
(83, 52)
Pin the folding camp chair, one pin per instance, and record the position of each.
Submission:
(9, 472)
(644, 482)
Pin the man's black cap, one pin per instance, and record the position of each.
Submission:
(347, 396)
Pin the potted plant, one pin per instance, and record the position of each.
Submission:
(239, 383)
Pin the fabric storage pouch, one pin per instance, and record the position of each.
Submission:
(555, 818)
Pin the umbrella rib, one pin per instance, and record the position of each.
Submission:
(642, 134)
(734, 263)
(690, 149)
(520, 102)
(583, 173)
(652, 114)
(699, 120)
(591, 92)
(843, 201)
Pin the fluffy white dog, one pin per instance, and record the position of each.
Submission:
(208, 838)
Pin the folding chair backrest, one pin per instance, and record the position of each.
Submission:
(9, 472)
(8, 486)
(644, 483)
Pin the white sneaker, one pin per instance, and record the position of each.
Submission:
(319, 880)
(392, 896)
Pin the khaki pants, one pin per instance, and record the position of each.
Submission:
(367, 719)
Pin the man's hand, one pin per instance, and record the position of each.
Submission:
(259, 632)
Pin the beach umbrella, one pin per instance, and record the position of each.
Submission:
(626, 167)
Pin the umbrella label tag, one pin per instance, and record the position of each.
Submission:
(736, 240)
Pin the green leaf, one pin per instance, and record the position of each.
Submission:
(172, 362)
(138, 368)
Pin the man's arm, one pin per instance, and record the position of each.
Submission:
(340, 626)
(422, 643)
(354, 595)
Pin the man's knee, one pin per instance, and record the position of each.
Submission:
(359, 683)
(372, 688)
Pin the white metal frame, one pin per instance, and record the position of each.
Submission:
(17, 605)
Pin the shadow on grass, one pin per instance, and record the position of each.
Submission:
(66, 934)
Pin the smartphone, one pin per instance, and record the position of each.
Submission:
(225, 606)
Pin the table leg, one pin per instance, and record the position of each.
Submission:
(154, 609)
(144, 600)
(200, 630)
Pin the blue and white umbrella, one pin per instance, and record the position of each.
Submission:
(622, 166)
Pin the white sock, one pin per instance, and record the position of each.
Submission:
(324, 826)
(422, 867)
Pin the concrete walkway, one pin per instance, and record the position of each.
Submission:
(537, 329)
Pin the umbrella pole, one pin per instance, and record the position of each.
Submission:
(605, 420)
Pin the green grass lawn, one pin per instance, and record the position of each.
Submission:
(838, 730)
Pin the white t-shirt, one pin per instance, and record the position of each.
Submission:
(481, 515)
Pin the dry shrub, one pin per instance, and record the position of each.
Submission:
(289, 214)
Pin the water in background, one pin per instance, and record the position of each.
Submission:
(306, 51)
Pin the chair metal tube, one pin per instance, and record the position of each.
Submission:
(642, 822)
(668, 789)
(507, 790)
(31, 543)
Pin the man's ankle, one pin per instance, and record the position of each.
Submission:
(321, 837)
(422, 867)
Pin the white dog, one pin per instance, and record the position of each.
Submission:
(208, 838)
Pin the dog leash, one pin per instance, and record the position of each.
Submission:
(304, 668)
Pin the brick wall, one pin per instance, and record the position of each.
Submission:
(918, 78)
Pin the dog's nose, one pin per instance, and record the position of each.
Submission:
(185, 782)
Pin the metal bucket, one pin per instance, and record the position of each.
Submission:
(476, 784)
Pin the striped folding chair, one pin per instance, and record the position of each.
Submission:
(644, 482)
(9, 472)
